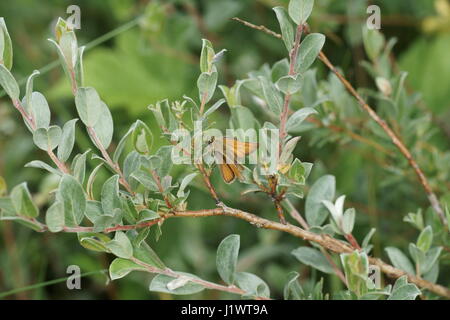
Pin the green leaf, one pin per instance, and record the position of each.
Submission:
(79, 71)
(213, 108)
(42, 165)
(206, 56)
(290, 84)
(226, 258)
(373, 43)
(272, 96)
(252, 285)
(8, 83)
(67, 140)
(286, 26)
(431, 257)
(38, 108)
(54, 218)
(425, 239)
(348, 221)
(323, 189)
(293, 290)
(93, 210)
(6, 49)
(356, 269)
(29, 90)
(206, 84)
(71, 195)
(47, 138)
(298, 117)
(308, 51)
(120, 246)
(404, 291)
(89, 105)
(162, 283)
(104, 128)
(399, 259)
(142, 137)
(93, 241)
(314, 258)
(110, 195)
(300, 10)
(121, 145)
(146, 254)
(22, 201)
(120, 267)
(297, 171)
(184, 183)
(147, 215)
(79, 166)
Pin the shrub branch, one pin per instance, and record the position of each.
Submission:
(394, 138)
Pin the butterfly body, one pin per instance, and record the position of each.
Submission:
(229, 153)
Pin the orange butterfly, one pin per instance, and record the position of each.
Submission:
(229, 152)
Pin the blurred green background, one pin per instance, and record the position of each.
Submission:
(158, 59)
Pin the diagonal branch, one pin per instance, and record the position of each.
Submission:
(394, 138)
(325, 241)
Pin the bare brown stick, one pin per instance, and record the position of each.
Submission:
(204, 283)
(260, 28)
(394, 139)
(208, 183)
(325, 241)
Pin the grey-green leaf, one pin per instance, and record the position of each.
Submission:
(399, 259)
(67, 140)
(120, 267)
(206, 84)
(323, 189)
(47, 138)
(110, 195)
(161, 282)
(22, 201)
(272, 96)
(6, 49)
(300, 10)
(425, 239)
(104, 128)
(314, 258)
(298, 117)
(8, 83)
(290, 84)
(286, 27)
(120, 246)
(308, 51)
(226, 259)
(71, 195)
(89, 105)
(54, 218)
(252, 285)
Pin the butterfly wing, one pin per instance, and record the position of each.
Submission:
(227, 172)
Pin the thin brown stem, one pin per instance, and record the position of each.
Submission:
(324, 240)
